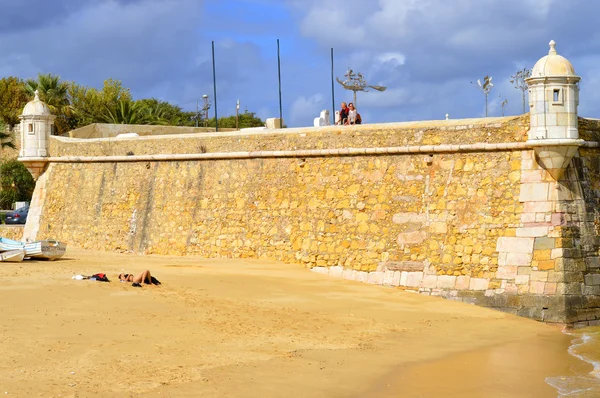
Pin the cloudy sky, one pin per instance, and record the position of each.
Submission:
(425, 51)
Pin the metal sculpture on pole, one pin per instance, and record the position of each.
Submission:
(356, 82)
(485, 88)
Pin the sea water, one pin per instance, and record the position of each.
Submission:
(585, 346)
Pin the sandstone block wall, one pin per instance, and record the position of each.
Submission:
(491, 228)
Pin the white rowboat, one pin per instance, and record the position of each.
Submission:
(13, 256)
(43, 249)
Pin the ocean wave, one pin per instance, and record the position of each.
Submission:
(586, 347)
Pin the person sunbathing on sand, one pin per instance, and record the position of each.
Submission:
(138, 279)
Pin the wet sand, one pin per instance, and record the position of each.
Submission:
(233, 328)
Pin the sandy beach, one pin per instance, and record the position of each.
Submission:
(233, 328)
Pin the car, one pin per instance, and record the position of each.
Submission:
(18, 216)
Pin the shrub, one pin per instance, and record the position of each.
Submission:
(16, 183)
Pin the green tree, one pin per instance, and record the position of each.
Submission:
(246, 120)
(12, 99)
(89, 104)
(16, 183)
(6, 139)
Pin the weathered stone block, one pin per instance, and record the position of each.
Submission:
(538, 207)
(537, 287)
(524, 271)
(532, 231)
(591, 291)
(409, 266)
(446, 282)
(515, 245)
(411, 238)
(506, 272)
(532, 176)
(375, 278)
(522, 279)
(557, 253)
(430, 281)
(336, 272)
(320, 270)
(592, 279)
(438, 228)
(592, 262)
(573, 288)
(388, 278)
(362, 276)
(404, 218)
(520, 259)
(462, 282)
(349, 274)
(403, 278)
(414, 279)
(544, 243)
(550, 288)
(534, 192)
(396, 278)
(478, 284)
(528, 217)
(539, 276)
(559, 219)
(546, 265)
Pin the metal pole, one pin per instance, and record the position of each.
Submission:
(279, 74)
(332, 90)
(197, 113)
(215, 87)
(237, 115)
(486, 105)
(205, 113)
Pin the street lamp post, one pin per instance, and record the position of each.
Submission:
(205, 109)
(237, 115)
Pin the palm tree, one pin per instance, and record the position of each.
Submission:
(55, 94)
(6, 138)
(156, 113)
(52, 91)
(126, 112)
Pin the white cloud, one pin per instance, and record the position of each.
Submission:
(305, 109)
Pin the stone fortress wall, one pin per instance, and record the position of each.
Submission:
(500, 212)
(456, 208)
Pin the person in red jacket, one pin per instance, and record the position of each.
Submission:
(343, 114)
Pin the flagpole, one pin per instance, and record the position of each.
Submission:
(279, 75)
(215, 87)
(332, 90)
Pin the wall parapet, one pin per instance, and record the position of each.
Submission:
(406, 150)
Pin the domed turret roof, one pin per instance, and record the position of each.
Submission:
(553, 65)
(36, 107)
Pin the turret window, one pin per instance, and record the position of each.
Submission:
(557, 98)
(30, 128)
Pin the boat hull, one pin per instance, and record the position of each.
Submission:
(43, 249)
(12, 256)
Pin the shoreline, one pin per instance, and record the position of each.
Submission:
(244, 328)
(515, 369)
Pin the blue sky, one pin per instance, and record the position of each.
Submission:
(425, 51)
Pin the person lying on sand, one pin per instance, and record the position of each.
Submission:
(138, 279)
